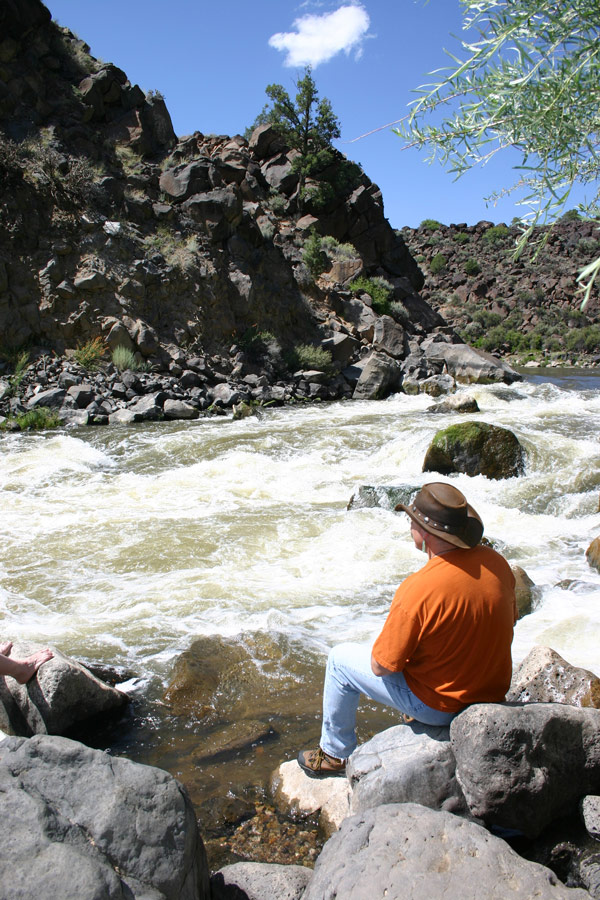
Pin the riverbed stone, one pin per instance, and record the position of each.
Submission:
(455, 403)
(259, 881)
(77, 823)
(368, 496)
(407, 763)
(592, 554)
(475, 448)
(545, 677)
(522, 767)
(63, 694)
(524, 591)
(296, 794)
(404, 851)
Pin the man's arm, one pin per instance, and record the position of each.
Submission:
(378, 669)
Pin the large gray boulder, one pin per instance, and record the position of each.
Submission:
(408, 763)
(259, 881)
(467, 364)
(545, 677)
(78, 823)
(475, 448)
(380, 376)
(61, 695)
(524, 766)
(405, 851)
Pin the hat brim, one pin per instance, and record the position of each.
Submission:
(469, 536)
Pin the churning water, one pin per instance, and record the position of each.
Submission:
(122, 544)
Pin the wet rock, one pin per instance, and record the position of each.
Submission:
(85, 824)
(259, 881)
(408, 763)
(524, 591)
(545, 677)
(436, 385)
(61, 695)
(297, 794)
(521, 767)
(407, 851)
(475, 448)
(237, 738)
(459, 403)
(368, 496)
(592, 554)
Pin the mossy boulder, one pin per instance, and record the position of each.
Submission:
(475, 448)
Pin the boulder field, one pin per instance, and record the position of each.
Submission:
(422, 811)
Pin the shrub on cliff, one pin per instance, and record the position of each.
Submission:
(379, 290)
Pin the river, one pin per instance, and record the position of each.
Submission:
(123, 544)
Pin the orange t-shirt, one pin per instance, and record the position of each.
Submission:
(450, 628)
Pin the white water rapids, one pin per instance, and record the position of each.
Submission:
(122, 544)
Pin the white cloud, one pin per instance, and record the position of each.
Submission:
(317, 39)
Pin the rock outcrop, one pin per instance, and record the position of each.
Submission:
(112, 229)
(516, 307)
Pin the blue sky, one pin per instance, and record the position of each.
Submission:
(213, 60)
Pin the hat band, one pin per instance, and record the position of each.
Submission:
(441, 526)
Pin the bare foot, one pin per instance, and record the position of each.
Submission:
(31, 664)
(6, 647)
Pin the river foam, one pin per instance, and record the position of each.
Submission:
(122, 544)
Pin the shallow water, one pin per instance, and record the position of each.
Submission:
(123, 544)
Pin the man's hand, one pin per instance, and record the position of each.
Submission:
(378, 669)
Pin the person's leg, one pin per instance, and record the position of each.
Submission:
(5, 648)
(348, 675)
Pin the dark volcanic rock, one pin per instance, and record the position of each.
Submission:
(521, 767)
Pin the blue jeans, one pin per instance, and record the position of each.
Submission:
(348, 675)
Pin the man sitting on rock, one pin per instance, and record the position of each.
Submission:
(445, 643)
(22, 670)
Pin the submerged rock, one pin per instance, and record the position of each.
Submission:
(475, 448)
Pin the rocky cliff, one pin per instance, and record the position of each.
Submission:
(524, 308)
(113, 229)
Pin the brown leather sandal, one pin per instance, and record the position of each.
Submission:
(319, 764)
